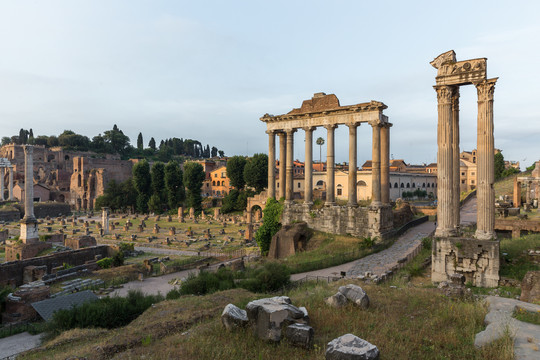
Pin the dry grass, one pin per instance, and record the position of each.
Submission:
(412, 323)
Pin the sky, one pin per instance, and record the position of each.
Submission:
(208, 70)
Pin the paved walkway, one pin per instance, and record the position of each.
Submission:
(13, 345)
(499, 320)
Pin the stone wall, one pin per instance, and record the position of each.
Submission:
(477, 260)
(356, 221)
(10, 214)
(11, 273)
(44, 209)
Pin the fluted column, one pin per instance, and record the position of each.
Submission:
(11, 198)
(353, 130)
(528, 193)
(308, 183)
(105, 220)
(456, 179)
(376, 164)
(282, 161)
(385, 163)
(445, 162)
(2, 174)
(485, 222)
(271, 164)
(289, 189)
(330, 166)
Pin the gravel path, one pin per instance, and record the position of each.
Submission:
(13, 345)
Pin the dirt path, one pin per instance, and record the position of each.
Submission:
(13, 345)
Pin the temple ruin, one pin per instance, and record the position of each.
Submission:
(324, 110)
(477, 259)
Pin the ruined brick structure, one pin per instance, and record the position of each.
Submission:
(91, 176)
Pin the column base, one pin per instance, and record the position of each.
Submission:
(485, 235)
(442, 233)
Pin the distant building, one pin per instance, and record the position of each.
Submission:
(218, 185)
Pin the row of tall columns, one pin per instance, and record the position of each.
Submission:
(448, 169)
(2, 183)
(380, 164)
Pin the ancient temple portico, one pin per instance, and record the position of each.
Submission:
(479, 259)
(325, 111)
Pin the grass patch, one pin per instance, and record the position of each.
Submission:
(517, 262)
(527, 316)
(327, 250)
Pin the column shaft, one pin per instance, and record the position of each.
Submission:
(289, 188)
(282, 161)
(445, 165)
(485, 222)
(2, 174)
(376, 165)
(308, 183)
(353, 197)
(271, 164)
(28, 182)
(11, 184)
(385, 163)
(528, 194)
(330, 166)
(456, 171)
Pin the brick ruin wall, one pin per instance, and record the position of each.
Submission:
(11, 273)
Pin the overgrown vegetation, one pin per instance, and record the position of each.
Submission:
(270, 277)
(516, 263)
(270, 226)
(527, 316)
(109, 312)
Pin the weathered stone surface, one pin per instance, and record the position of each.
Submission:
(289, 240)
(268, 316)
(300, 335)
(355, 294)
(350, 347)
(337, 300)
(233, 317)
(530, 287)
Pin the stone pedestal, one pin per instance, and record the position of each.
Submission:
(477, 260)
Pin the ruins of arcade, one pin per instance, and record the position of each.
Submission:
(477, 259)
(5, 164)
(326, 111)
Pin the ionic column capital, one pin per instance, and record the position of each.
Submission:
(353, 125)
(330, 126)
(290, 131)
(375, 123)
(309, 128)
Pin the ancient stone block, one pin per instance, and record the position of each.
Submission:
(233, 317)
(351, 347)
(300, 335)
(530, 287)
(337, 300)
(289, 240)
(355, 294)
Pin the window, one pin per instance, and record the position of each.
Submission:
(462, 174)
(472, 181)
(320, 183)
(472, 173)
(299, 185)
(339, 191)
(215, 175)
(408, 185)
(402, 185)
(214, 183)
(395, 185)
(413, 185)
(463, 181)
(423, 184)
(427, 184)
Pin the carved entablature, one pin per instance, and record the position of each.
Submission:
(462, 72)
(325, 110)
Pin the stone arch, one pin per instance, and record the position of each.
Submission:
(361, 183)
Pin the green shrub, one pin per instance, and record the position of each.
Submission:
(208, 282)
(105, 263)
(426, 243)
(270, 277)
(270, 226)
(109, 312)
(126, 246)
(173, 294)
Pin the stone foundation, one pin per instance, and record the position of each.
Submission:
(375, 222)
(20, 251)
(477, 260)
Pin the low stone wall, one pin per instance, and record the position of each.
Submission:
(517, 225)
(11, 273)
(357, 221)
(9, 214)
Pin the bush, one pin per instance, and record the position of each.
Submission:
(270, 226)
(104, 313)
(270, 277)
(207, 282)
(105, 263)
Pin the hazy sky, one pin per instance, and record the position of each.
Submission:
(209, 70)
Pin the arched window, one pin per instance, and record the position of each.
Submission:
(396, 185)
(402, 185)
(320, 183)
(213, 183)
(413, 185)
(427, 184)
(361, 183)
(423, 184)
(408, 185)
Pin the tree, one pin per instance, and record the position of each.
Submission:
(214, 151)
(235, 171)
(256, 172)
(270, 226)
(221, 153)
(157, 175)
(142, 184)
(152, 144)
(174, 185)
(320, 142)
(499, 165)
(193, 179)
(6, 140)
(140, 144)
(116, 138)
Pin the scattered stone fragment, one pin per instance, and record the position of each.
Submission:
(300, 335)
(337, 300)
(355, 294)
(350, 347)
(233, 317)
